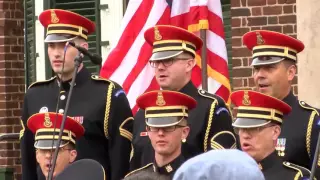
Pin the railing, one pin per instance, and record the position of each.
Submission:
(5, 172)
(9, 137)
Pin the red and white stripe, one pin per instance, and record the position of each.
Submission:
(127, 63)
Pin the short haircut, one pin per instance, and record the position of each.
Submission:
(78, 40)
(183, 122)
(186, 54)
(288, 63)
(71, 146)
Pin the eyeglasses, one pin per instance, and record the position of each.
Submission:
(251, 131)
(166, 62)
(165, 129)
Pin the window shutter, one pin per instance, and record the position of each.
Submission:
(30, 42)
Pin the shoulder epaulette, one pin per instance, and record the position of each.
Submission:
(42, 82)
(307, 106)
(301, 171)
(313, 114)
(134, 171)
(209, 95)
(99, 78)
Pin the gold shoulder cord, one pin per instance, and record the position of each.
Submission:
(22, 130)
(108, 103)
(297, 176)
(309, 130)
(310, 124)
(107, 112)
(212, 108)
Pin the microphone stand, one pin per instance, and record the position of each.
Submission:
(315, 159)
(78, 60)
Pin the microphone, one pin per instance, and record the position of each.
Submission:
(95, 58)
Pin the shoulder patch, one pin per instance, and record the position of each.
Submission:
(42, 82)
(119, 92)
(222, 109)
(301, 171)
(137, 170)
(307, 106)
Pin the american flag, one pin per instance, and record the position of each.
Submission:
(127, 63)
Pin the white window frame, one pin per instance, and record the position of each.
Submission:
(110, 24)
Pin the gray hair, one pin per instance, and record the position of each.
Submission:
(220, 164)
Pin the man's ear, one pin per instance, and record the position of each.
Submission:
(276, 132)
(73, 155)
(37, 156)
(291, 71)
(190, 64)
(185, 132)
(85, 45)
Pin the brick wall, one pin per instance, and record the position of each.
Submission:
(11, 80)
(247, 15)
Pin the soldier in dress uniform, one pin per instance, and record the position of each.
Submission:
(46, 137)
(173, 58)
(167, 127)
(258, 124)
(274, 62)
(100, 105)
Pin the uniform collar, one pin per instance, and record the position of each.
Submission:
(82, 76)
(189, 89)
(290, 98)
(169, 168)
(269, 161)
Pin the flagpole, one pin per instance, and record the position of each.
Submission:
(204, 74)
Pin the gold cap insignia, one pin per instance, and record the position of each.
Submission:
(54, 17)
(47, 122)
(246, 99)
(157, 35)
(160, 100)
(169, 168)
(260, 39)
